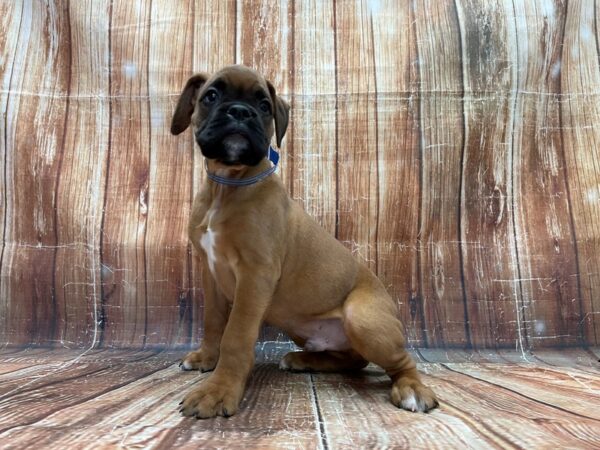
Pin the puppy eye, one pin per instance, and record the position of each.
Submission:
(210, 97)
(265, 106)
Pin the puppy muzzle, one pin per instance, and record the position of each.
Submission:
(233, 135)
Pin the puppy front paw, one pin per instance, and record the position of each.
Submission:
(412, 395)
(210, 399)
(199, 360)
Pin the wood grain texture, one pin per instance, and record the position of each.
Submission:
(452, 146)
(581, 146)
(169, 297)
(36, 117)
(80, 179)
(398, 162)
(124, 282)
(442, 142)
(141, 408)
(214, 43)
(265, 40)
(356, 119)
(511, 419)
(78, 382)
(313, 111)
(489, 76)
(117, 398)
(11, 22)
(548, 275)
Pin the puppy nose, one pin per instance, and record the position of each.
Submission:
(240, 112)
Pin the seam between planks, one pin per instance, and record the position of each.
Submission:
(53, 325)
(377, 177)
(421, 286)
(569, 199)
(319, 415)
(337, 121)
(148, 179)
(418, 262)
(102, 318)
(461, 184)
(523, 335)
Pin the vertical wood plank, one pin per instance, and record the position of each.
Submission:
(214, 43)
(398, 160)
(489, 79)
(441, 147)
(265, 39)
(80, 193)
(170, 179)
(313, 112)
(265, 29)
(356, 161)
(124, 277)
(11, 18)
(265, 33)
(580, 115)
(34, 137)
(547, 275)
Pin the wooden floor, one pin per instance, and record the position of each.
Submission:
(64, 399)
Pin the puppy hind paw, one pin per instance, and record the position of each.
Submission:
(287, 363)
(293, 362)
(413, 396)
(283, 364)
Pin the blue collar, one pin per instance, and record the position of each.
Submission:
(273, 157)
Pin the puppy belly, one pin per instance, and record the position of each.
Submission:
(323, 334)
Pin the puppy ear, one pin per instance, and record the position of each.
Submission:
(281, 114)
(185, 105)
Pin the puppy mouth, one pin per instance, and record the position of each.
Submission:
(235, 143)
(234, 146)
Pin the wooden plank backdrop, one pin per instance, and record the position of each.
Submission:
(453, 146)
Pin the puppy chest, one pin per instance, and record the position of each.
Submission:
(211, 242)
(208, 241)
(208, 244)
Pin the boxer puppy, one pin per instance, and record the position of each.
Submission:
(265, 260)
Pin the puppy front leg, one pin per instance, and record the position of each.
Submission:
(216, 312)
(221, 393)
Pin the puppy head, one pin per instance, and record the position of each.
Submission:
(234, 114)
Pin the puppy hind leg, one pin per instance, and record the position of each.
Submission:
(376, 334)
(326, 361)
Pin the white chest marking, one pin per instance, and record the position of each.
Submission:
(207, 241)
